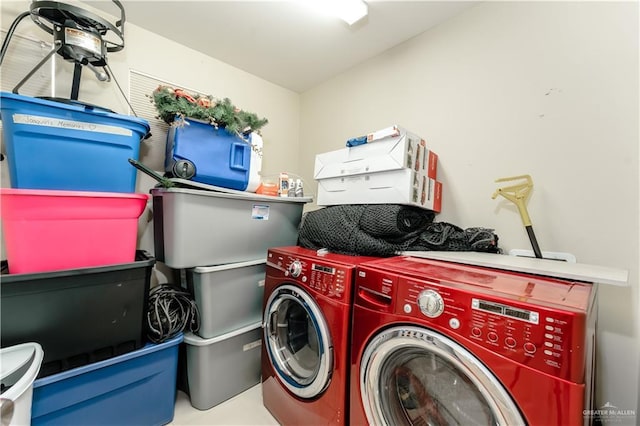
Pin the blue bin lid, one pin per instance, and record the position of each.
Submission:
(9, 100)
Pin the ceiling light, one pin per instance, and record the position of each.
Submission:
(350, 11)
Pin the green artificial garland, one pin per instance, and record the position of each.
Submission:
(177, 103)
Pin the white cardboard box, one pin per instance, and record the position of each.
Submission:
(392, 148)
(403, 186)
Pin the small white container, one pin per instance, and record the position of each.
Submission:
(20, 365)
(222, 367)
(228, 296)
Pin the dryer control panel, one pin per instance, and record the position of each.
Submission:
(329, 279)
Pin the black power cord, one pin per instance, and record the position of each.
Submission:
(172, 310)
(12, 28)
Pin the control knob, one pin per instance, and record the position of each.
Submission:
(430, 303)
(295, 269)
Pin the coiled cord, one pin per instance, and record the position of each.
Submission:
(172, 310)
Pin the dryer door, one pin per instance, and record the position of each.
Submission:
(415, 376)
(298, 342)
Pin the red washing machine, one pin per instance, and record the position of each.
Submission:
(307, 325)
(439, 343)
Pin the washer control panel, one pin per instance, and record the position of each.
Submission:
(526, 319)
(534, 335)
(331, 280)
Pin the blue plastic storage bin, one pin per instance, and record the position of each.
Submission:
(138, 388)
(69, 146)
(198, 151)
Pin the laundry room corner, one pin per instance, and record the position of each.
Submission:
(549, 89)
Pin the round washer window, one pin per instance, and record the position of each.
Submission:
(414, 376)
(298, 341)
(420, 387)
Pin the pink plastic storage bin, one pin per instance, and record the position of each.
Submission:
(49, 230)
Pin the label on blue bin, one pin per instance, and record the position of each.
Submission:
(37, 120)
(260, 212)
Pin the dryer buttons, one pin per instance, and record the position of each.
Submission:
(510, 342)
(529, 348)
(430, 303)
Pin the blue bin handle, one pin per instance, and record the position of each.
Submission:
(236, 161)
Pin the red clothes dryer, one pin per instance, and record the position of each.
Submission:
(439, 343)
(307, 325)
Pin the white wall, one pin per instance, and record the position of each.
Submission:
(504, 89)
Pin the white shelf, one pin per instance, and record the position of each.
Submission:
(546, 267)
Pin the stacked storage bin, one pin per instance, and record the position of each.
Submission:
(73, 280)
(224, 358)
(72, 201)
(218, 241)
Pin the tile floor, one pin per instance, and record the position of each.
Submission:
(243, 409)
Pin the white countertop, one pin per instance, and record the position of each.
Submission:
(546, 267)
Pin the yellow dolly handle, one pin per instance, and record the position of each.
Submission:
(519, 194)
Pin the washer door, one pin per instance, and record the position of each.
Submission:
(414, 376)
(298, 341)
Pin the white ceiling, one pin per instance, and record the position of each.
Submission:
(285, 42)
